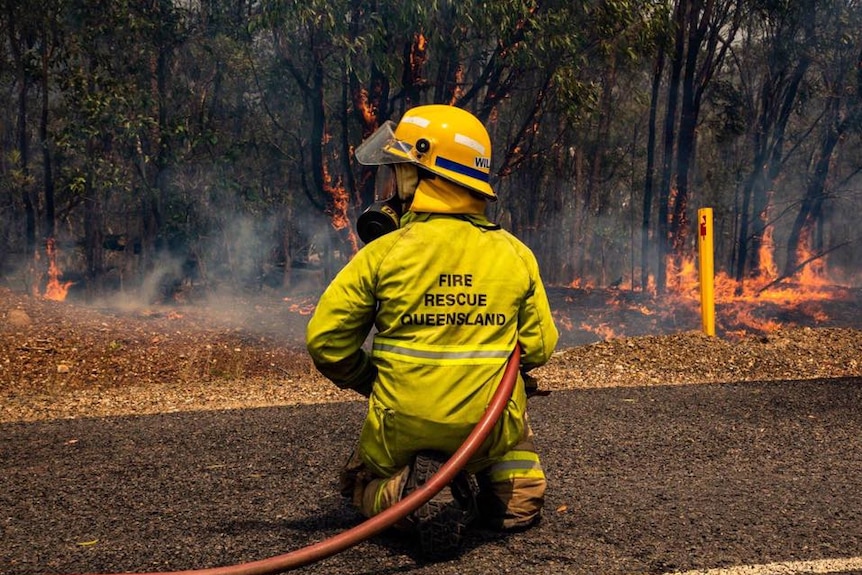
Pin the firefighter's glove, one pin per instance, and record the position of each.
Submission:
(531, 385)
(364, 381)
(356, 372)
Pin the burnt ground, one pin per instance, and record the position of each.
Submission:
(153, 438)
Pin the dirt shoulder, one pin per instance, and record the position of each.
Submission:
(66, 360)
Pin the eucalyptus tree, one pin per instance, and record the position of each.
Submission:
(623, 38)
(354, 64)
(774, 59)
(703, 32)
(109, 130)
(542, 75)
(35, 47)
(22, 28)
(838, 63)
(302, 54)
(227, 185)
(663, 43)
(795, 83)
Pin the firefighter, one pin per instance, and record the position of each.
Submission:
(450, 294)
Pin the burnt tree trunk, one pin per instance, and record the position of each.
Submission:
(370, 108)
(707, 24)
(94, 251)
(448, 84)
(412, 82)
(788, 65)
(47, 168)
(667, 181)
(649, 180)
(811, 208)
(843, 112)
(18, 40)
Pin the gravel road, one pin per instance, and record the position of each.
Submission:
(642, 480)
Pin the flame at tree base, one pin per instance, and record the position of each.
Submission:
(55, 289)
(760, 305)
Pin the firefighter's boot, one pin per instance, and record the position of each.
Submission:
(442, 521)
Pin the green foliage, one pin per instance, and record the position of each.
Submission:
(196, 115)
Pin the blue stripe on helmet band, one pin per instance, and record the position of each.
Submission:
(461, 169)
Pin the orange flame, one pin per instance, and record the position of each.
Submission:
(563, 320)
(418, 55)
(582, 284)
(340, 203)
(800, 292)
(768, 267)
(814, 272)
(54, 289)
(763, 303)
(303, 307)
(458, 89)
(603, 330)
(362, 103)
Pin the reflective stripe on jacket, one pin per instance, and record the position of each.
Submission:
(450, 296)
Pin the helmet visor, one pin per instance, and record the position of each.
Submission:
(382, 147)
(385, 183)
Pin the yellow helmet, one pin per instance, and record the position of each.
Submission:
(445, 140)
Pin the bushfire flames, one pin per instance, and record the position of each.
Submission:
(305, 306)
(339, 204)
(762, 304)
(585, 313)
(55, 289)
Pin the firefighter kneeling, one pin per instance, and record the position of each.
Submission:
(435, 254)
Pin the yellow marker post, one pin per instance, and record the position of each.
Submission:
(706, 270)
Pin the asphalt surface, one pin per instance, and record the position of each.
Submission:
(642, 480)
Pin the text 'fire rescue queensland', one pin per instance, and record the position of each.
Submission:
(449, 299)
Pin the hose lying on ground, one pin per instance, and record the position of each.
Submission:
(390, 516)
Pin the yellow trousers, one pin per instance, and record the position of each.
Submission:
(511, 488)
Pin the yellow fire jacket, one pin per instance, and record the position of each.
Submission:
(449, 296)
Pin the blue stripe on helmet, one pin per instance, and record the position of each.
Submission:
(461, 169)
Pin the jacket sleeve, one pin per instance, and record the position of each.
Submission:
(340, 324)
(537, 333)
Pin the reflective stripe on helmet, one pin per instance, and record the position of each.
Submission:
(447, 164)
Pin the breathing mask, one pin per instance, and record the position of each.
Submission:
(394, 186)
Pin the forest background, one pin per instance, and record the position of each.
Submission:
(148, 144)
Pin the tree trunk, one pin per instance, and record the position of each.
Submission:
(94, 251)
(685, 152)
(23, 80)
(665, 199)
(777, 100)
(811, 208)
(48, 186)
(24, 151)
(594, 200)
(709, 36)
(415, 56)
(649, 180)
(370, 106)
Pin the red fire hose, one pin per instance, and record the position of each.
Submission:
(390, 516)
